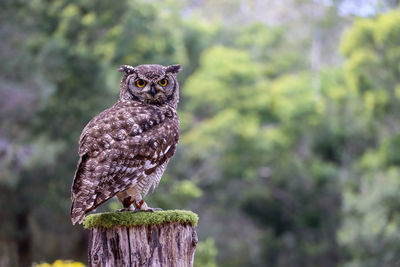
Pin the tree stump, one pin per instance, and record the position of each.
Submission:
(162, 238)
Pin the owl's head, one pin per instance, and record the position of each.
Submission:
(151, 84)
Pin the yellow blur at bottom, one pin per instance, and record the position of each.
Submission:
(61, 263)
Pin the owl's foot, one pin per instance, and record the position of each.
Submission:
(148, 210)
(142, 206)
(139, 204)
(127, 203)
(125, 209)
(154, 209)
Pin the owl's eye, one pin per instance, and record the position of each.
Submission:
(163, 82)
(140, 83)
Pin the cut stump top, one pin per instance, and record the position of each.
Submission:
(130, 218)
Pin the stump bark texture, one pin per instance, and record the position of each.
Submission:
(166, 244)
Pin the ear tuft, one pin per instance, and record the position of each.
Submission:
(126, 69)
(174, 69)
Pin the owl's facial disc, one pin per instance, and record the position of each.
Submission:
(155, 91)
(151, 84)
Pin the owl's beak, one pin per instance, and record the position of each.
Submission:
(153, 91)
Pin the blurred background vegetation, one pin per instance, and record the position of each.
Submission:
(290, 116)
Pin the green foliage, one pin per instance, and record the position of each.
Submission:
(206, 253)
(372, 65)
(130, 218)
(370, 230)
(61, 263)
(370, 219)
(212, 89)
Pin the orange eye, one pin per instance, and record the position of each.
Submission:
(140, 83)
(163, 82)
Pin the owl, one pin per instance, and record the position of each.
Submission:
(125, 149)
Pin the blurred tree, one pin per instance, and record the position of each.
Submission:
(247, 130)
(372, 69)
(206, 253)
(20, 96)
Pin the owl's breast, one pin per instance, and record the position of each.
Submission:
(131, 139)
(159, 142)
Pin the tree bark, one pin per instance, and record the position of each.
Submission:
(167, 244)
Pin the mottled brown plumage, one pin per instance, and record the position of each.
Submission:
(125, 149)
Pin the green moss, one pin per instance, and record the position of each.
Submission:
(130, 218)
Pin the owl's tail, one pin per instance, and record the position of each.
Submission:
(77, 212)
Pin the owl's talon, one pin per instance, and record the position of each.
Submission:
(148, 210)
(152, 209)
(156, 209)
(122, 210)
(139, 210)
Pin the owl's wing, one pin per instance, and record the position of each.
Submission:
(118, 150)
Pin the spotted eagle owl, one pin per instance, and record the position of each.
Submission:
(125, 149)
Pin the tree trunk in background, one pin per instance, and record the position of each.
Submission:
(23, 238)
(8, 254)
(169, 244)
